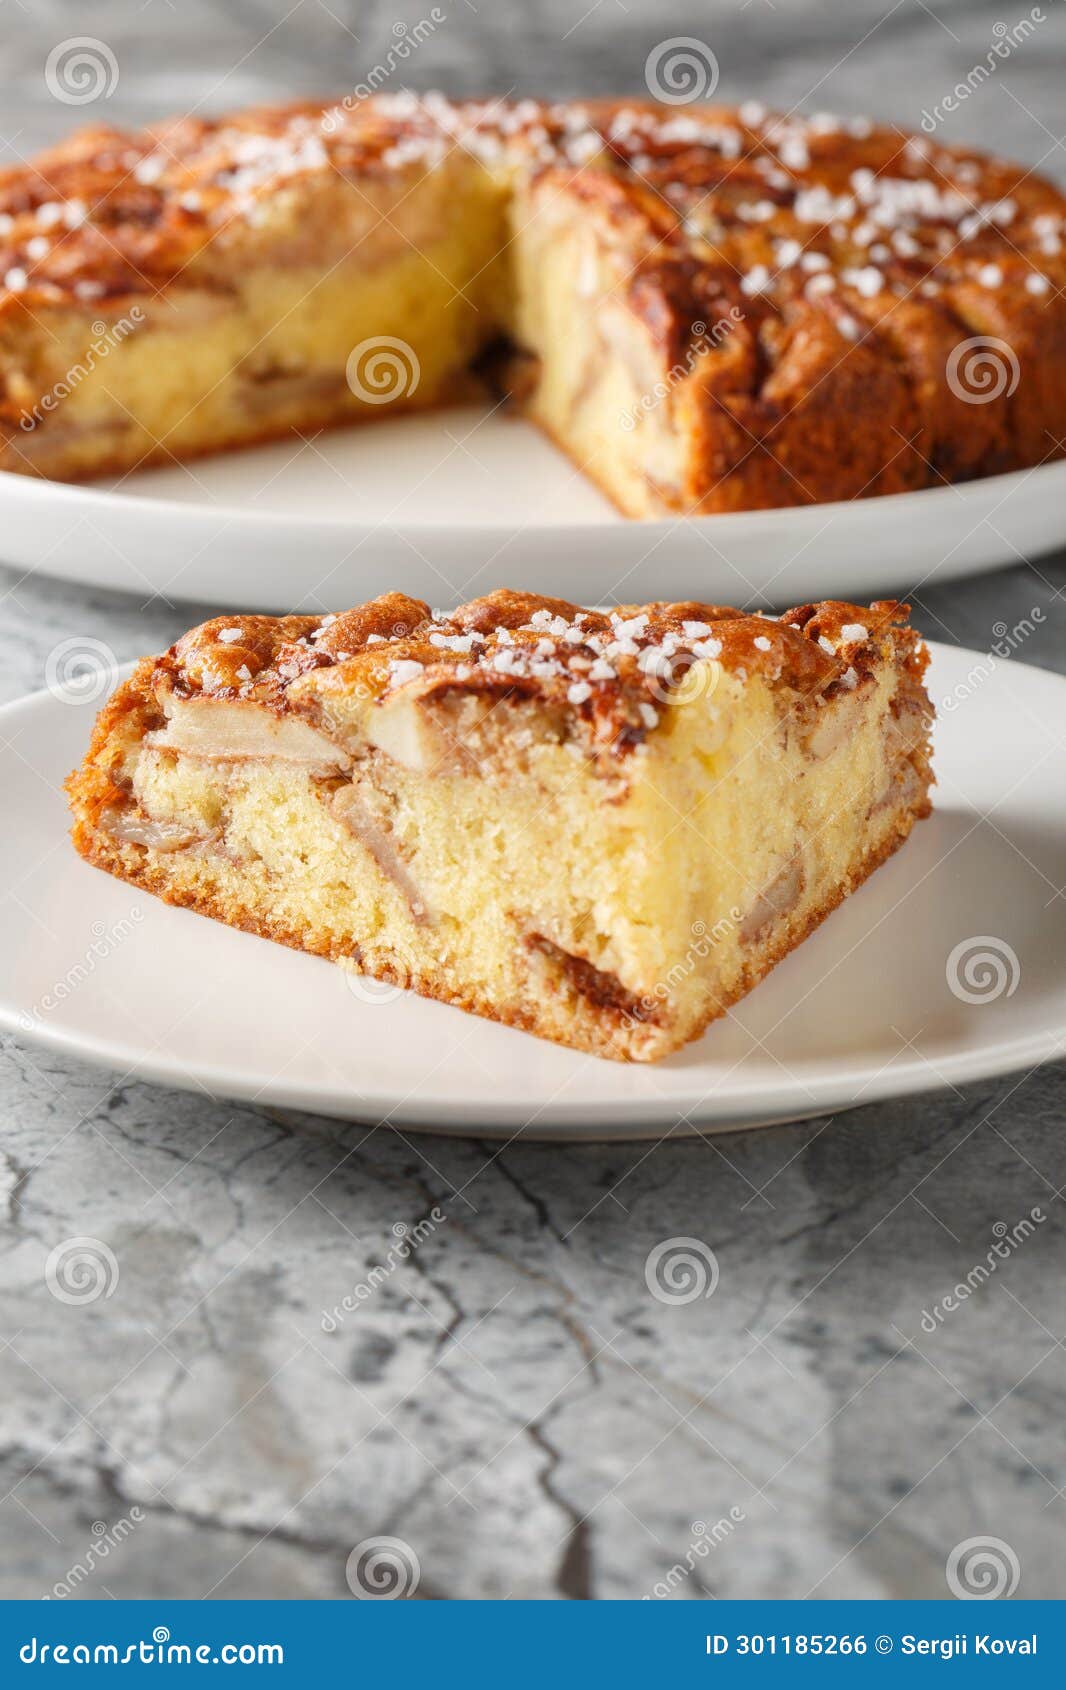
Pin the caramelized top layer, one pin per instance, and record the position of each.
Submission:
(612, 671)
(731, 204)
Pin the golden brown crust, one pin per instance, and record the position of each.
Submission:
(845, 263)
(266, 654)
(126, 210)
(611, 673)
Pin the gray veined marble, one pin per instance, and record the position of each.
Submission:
(507, 1397)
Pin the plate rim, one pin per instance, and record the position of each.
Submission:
(38, 489)
(484, 1119)
(782, 1098)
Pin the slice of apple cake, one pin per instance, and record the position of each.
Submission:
(601, 828)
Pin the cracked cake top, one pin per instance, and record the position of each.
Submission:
(611, 669)
(726, 204)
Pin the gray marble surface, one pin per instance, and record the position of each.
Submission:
(510, 1402)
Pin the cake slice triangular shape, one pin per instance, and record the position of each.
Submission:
(601, 828)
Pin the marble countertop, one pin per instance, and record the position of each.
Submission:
(509, 1404)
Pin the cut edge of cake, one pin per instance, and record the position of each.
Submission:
(602, 828)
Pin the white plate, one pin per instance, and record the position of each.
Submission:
(862, 1011)
(449, 505)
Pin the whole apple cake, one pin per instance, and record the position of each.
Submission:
(709, 309)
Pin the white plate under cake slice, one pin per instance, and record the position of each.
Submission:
(601, 828)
